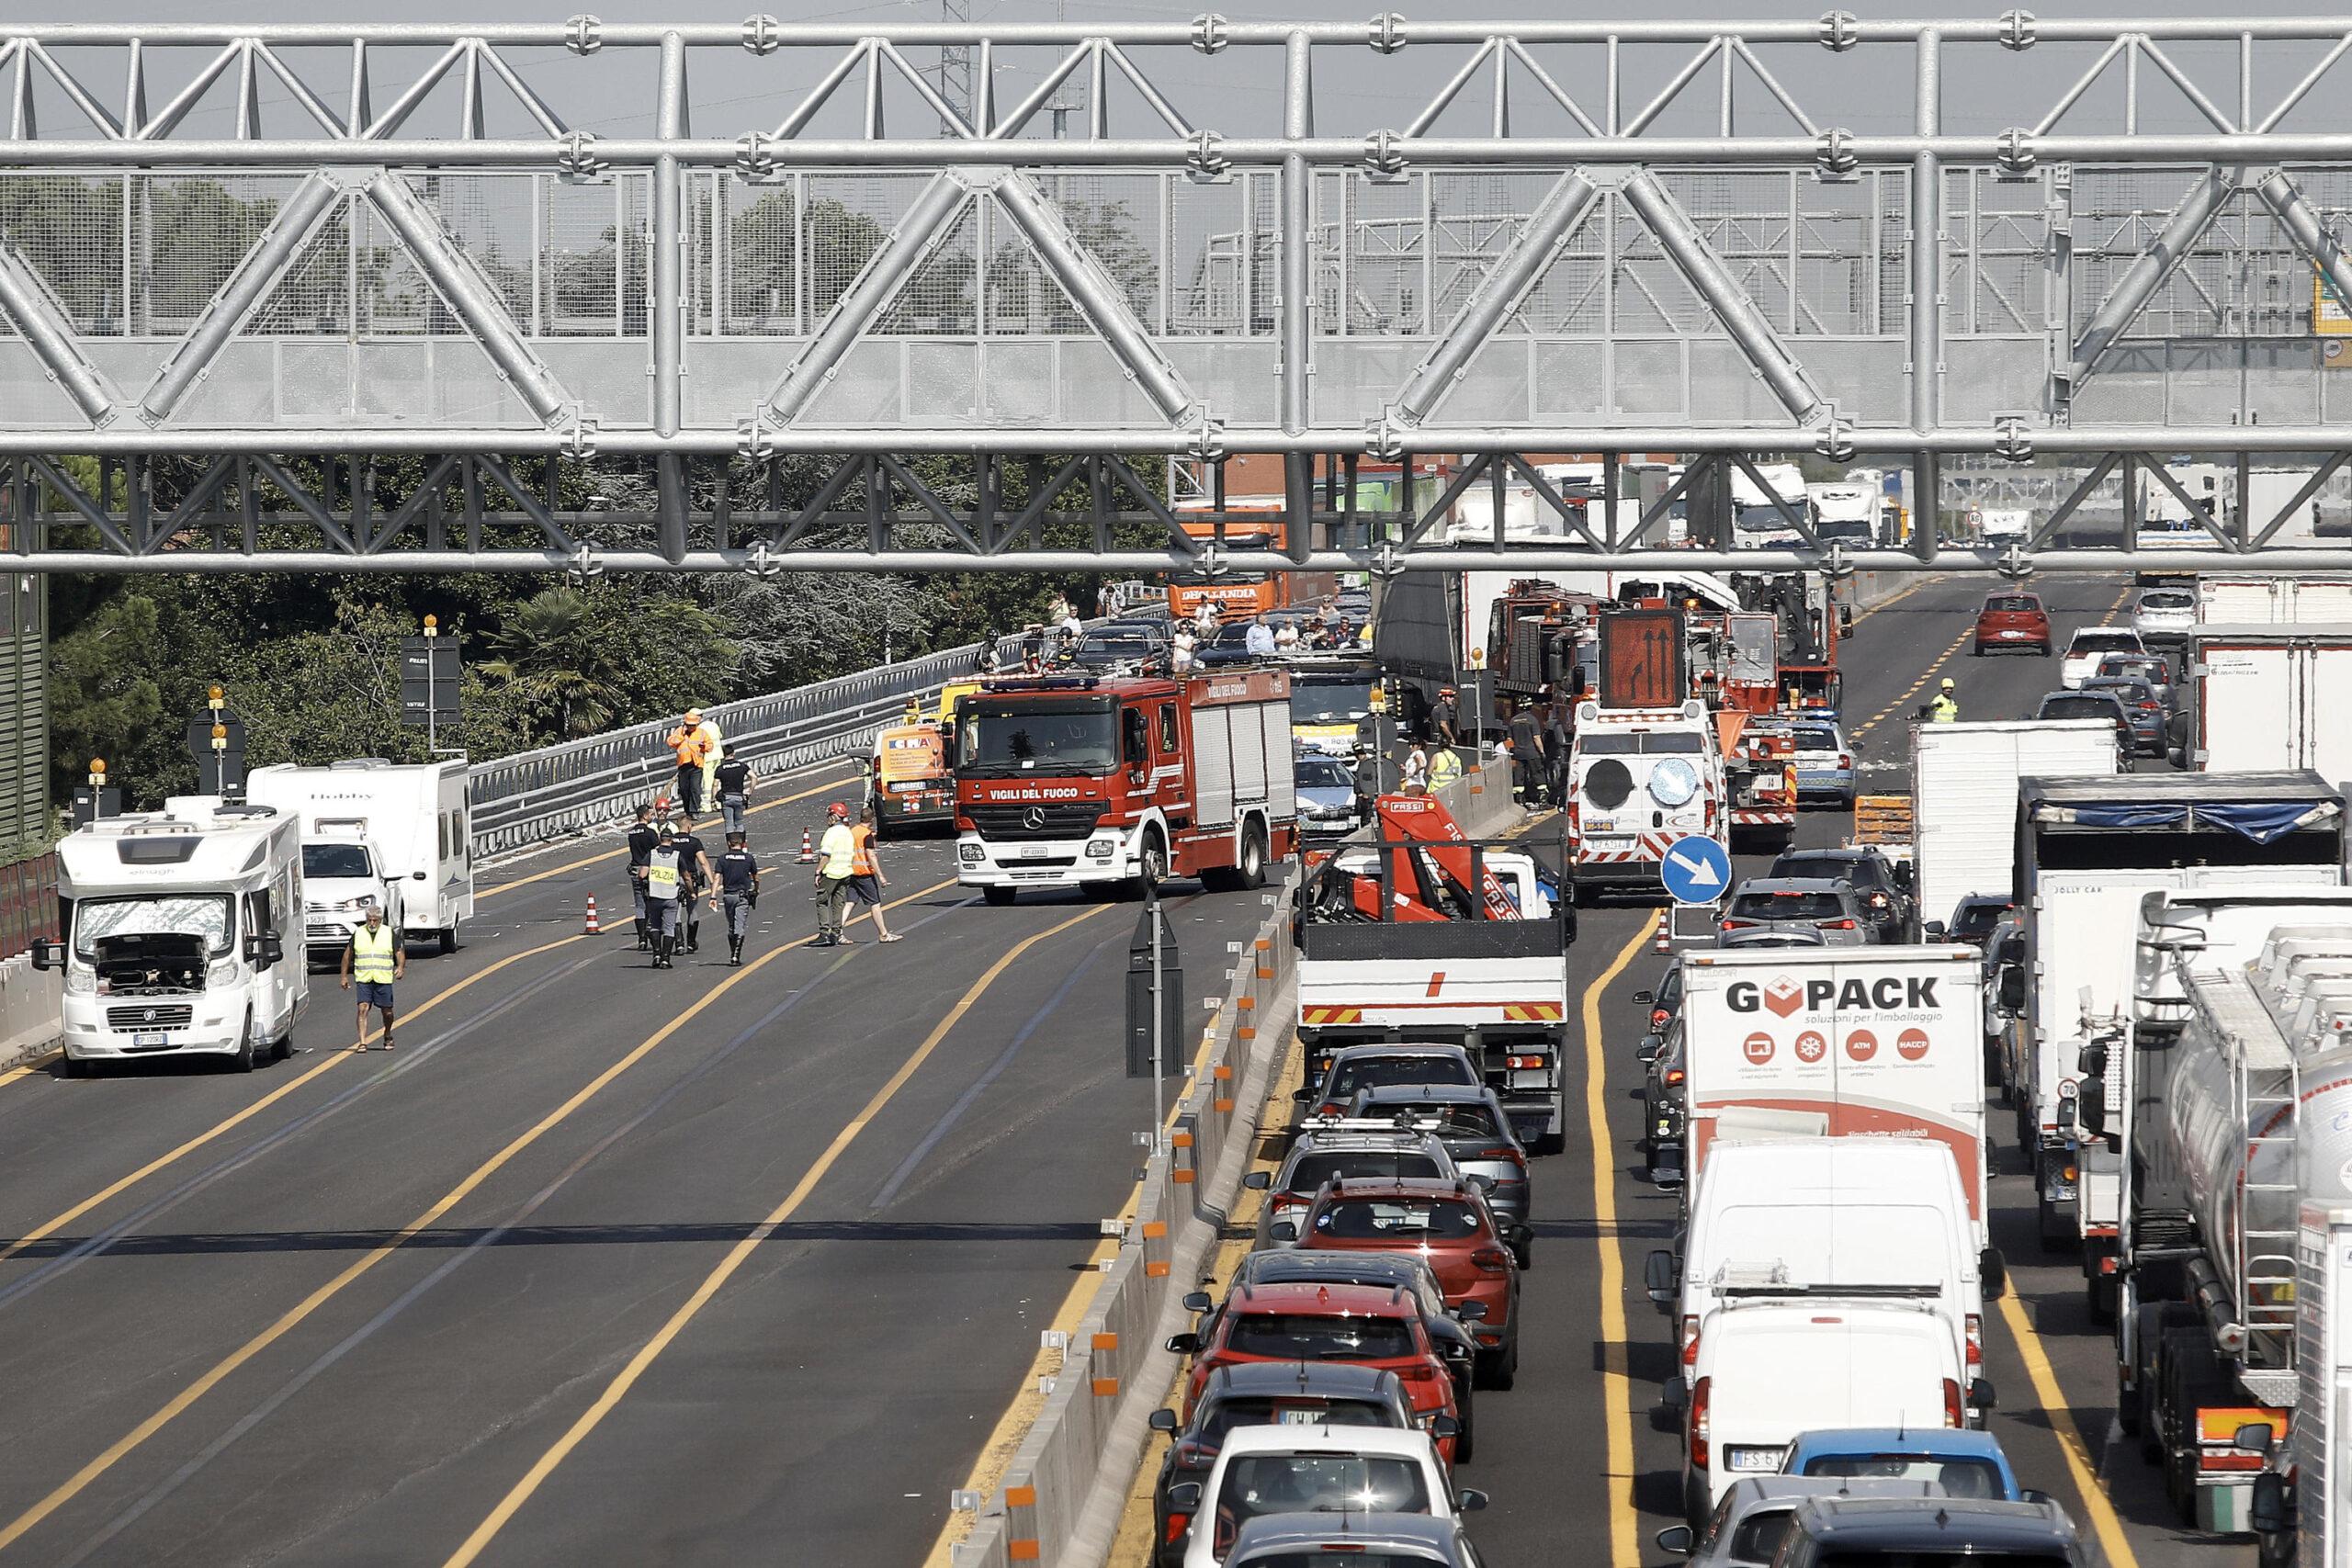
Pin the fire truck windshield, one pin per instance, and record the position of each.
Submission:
(1011, 738)
(1330, 699)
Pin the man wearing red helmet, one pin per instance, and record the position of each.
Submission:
(836, 869)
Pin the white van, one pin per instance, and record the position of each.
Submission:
(173, 942)
(1770, 1369)
(1818, 1216)
(416, 823)
(1640, 780)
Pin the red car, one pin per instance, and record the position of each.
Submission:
(2013, 618)
(1365, 1325)
(1448, 1224)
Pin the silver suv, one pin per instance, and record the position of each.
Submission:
(1333, 1146)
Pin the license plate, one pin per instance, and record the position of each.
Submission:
(1754, 1461)
(146, 1042)
(1609, 841)
(1032, 852)
(1297, 1417)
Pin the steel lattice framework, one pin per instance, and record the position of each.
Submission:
(1624, 237)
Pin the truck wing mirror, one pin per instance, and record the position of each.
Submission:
(1659, 1278)
(2270, 1511)
(1980, 1394)
(2012, 991)
(2255, 1435)
(1645, 998)
(416, 876)
(264, 949)
(47, 955)
(1993, 1272)
(2066, 1114)
(1933, 930)
(1198, 1301)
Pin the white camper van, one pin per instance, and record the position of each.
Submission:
(397, 833)
(174, 924)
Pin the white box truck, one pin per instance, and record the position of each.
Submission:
(174, 925)
(1859, 1041)
(1965, 798)
(2270, 696)
(414, 822)
(2237, 599)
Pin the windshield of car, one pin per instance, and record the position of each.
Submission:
(1818, 738)
(2140, 664)
(2012, 604)
(1223, 1414)
(1357, 1557)
(1787, 906)
(1640, 742)
(1382, 1219)
(1314, 1170)
(1319, 1337)
(1330, 699)
(1321, 772)
(1108, 646)
(1974, 921)
(1005, 739)
(1859, 870)
(336, 860)
(175, 914)
(1318, 1484)
(1961, 1477)
(2095, 704)
(2168, 599)
(2103, 641)
(1373, 1071)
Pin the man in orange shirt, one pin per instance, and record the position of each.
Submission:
(689, 742)
(866, 881)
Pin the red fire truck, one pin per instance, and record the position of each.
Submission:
(1067, 781)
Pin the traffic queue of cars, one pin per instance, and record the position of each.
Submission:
(1333, 1389)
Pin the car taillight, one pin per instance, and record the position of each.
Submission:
(1528, 1062)
(1493, 1259)
(1502, 1151)
(1177, 1524)
(1673, 1075)
(1659, 1018)
(1844, 761)
(2148, 707)
(1835, 925)
(1733, 925)
(1691, 1341)
(1698, 1424)
(1953, 1415)
(1878, 901)
(1192, 1454)
(1975, 1330)
(1420, 1373)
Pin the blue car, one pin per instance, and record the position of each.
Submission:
(1965, 1463)
(1825, 763)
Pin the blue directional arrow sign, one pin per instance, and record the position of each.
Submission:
(1697, 870)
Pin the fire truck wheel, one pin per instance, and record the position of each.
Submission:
(1151, 864)
(1253, 860)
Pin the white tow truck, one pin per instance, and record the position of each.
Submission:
(174, 925)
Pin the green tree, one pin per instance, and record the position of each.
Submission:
(552, 652)
(102, 689)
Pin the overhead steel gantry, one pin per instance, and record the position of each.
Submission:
(399, 296)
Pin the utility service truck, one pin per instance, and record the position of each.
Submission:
(174, 941)
(1073, 781)
(1424, 934)
(398, 836)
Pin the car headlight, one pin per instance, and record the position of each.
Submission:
(80, 980)
(222, 972)
(1673, 782)
(1102, 849)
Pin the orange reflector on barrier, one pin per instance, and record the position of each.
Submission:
(1020, 1496)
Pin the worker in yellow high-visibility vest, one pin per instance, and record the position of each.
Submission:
(375, 959)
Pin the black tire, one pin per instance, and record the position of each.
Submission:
(2099, 1297)
(448, 935)
(2157, 1320)
(2049, 1227)
(1000, 896)
(284, 1048)
(242, 1060)
(1251, 872)
(1498, 1370)
(1151, 866)
(1522, 1252)
(1465, 1443)
(67, 1067)
(1549, 1143)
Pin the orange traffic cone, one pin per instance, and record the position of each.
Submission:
(808, 849)
(592, 928)
(1662, 943)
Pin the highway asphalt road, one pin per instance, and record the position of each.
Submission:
(1571, 1455)
(603, 1264)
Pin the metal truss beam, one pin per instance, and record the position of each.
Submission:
(26, 302)
(2199, 206)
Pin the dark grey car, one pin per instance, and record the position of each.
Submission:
(1833, 909)
(1393, 1541)
(1882, 885)
(1855, 1531)
(1476, 1130)
(2143, 709)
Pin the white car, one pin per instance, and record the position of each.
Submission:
(2089, 646)
(2164, 614)
(1769, 1370)
(1315, 1469)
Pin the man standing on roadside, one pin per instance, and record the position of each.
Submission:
(836, 868)
(733, 779)
(694, 878)
(375, 958)
(687, 742)
(738, 887)
(643, 839)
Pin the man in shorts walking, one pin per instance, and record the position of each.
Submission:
(866, 881)
(375, 958)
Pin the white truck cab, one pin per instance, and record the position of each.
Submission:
(173, 926)
(1640, 779)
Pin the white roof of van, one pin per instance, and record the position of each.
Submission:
(195, 839)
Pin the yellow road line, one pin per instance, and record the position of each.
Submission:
(287, 1322)
(1616, 1383)
(1925, 676)
(334, 1058)
(602, 855)
(1896, 597)
(2079, 1462)
(13, 1074)
(740, 1253)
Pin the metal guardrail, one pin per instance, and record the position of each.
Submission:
(533, 797)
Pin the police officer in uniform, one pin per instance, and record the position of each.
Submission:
(732, 785)
(642, 842)
(694, 878)
(739, 888)
(663, 879)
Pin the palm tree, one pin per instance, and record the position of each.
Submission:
(553, 647)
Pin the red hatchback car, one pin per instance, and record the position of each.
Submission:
(1366, 1325)
(2013, 618)
(1448, 1224)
